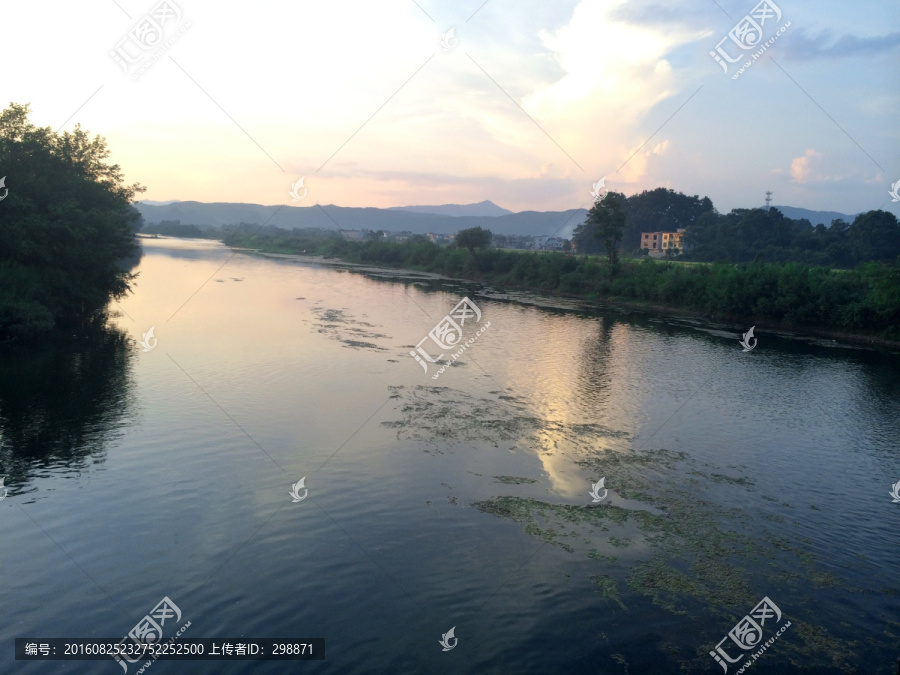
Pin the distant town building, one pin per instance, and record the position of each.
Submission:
(554, 244)
(660, 242)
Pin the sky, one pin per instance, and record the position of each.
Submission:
(527, 104)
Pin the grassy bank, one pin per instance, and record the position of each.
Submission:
(863, 302)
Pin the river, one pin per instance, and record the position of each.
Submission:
(136, 473)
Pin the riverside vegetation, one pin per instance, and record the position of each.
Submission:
(66, 228)
(863, 301)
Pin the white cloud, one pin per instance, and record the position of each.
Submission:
(808, 168)
(614, 73)
(801, 167)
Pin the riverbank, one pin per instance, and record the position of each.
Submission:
(859, 306)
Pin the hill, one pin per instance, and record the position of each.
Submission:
(814, 217)
(485, 208)
(214, 215)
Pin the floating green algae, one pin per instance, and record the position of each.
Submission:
(335, 324)
(514, 480)
(594, 553)
(669, 541)
(608, 588)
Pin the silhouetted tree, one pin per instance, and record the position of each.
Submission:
(64, 224)
(607, 219)
(875, 236)
(472, 238)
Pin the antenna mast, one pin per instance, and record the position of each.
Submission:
(768, 199)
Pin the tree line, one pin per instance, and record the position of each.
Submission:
(743, 235)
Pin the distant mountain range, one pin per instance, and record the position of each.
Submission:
(416, 219)
(445, 219)
(815, 217)
(486, 208)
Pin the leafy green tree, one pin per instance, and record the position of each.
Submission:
(875, 236)
(65, 224)
(607, 219)
(661, 210)
(585, 240)
(757, 234)
(472, 238)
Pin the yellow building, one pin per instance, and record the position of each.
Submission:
(660, 242)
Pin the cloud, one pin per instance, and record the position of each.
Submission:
(804, 46)
(803, 169)
(615, 69)
(664, 15)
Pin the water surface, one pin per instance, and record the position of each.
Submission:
(458, 502)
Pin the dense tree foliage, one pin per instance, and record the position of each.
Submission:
(759, 234)
(661, 210)
(865, 300)
(175, 228)
(472, 238)
(65, 224)
(745, 235)
(606, 222)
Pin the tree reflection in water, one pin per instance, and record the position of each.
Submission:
(61, 402)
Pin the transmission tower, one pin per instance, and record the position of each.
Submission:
(768, 199)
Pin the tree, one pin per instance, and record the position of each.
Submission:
(65, 223)
(607, 220)
(584, 239)
(875, 236)
(472, 238)
(661, 210)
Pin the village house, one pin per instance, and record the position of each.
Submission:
(658, 243)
